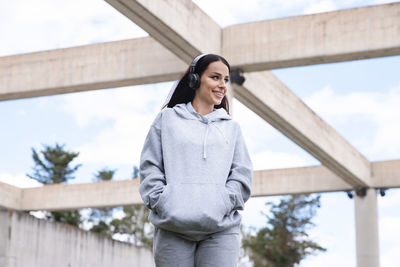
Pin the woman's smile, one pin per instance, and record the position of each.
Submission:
(219, 94)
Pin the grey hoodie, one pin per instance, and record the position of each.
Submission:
(195, 171)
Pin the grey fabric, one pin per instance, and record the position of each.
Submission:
(195, 171)
(215, 250)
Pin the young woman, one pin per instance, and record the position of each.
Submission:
(195, 171)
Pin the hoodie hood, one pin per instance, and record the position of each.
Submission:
(188, 112)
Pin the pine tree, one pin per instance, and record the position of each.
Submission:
(52, 166)
(284, 242)
(135, 223)
(102, 217)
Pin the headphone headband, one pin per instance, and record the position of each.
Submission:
(194, 78)
(193, 65)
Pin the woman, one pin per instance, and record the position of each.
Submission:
(195, 171)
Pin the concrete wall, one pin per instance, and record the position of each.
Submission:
(26, 241)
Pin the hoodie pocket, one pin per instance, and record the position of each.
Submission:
(226, 198)
(193, 206)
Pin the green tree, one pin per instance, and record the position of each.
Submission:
(55, 167)
(104, 175)
(135, 223)
(52, 166)
(284, 242)
(102, 217)
(135, 172)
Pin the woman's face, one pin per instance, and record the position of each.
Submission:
(213, 83)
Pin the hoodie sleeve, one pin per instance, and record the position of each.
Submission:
(151, 171)
(241, 174)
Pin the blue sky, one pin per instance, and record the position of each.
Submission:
(359, 99)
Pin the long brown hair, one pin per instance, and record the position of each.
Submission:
(184, 94)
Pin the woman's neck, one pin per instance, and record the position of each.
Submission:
(202, 108)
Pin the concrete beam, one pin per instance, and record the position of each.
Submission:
(181, 26)
(10, 196)
(351, 34)
(291, 181)
(319, 179)
(386, 174)
(77, 196)
(90, 67)
(274, 102)
(304, 180)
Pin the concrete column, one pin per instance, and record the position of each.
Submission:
(367, 237)
(4, 235)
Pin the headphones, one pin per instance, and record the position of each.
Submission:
(194, 78)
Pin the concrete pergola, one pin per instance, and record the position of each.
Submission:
(177, 32)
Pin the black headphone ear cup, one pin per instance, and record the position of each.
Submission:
(194, 81)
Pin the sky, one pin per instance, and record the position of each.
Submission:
(359, 99)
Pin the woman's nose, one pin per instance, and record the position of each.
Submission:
(222, 84)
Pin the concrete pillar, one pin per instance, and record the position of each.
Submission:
(4, 235)
(367, 237)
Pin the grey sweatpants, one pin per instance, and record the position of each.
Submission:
(215, 250)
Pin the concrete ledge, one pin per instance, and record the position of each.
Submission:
(303, 180)
(10, 196)
(77, 196)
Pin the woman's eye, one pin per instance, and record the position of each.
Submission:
(226, 80)
(215, 77)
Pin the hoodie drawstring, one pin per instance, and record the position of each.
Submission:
(205, 141)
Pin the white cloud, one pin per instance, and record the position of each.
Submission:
(275, 160)
(320, 6)
(391, 200)
(229, 12)
(390, 257)
(129, 112)
(21, 112)
(389, 229)
(118, 214)
(42, 25)
(329, 259)
(257, 132)
(39, 214)
(378, 2)
(19, 180)
(380, 108)
(389, 233)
